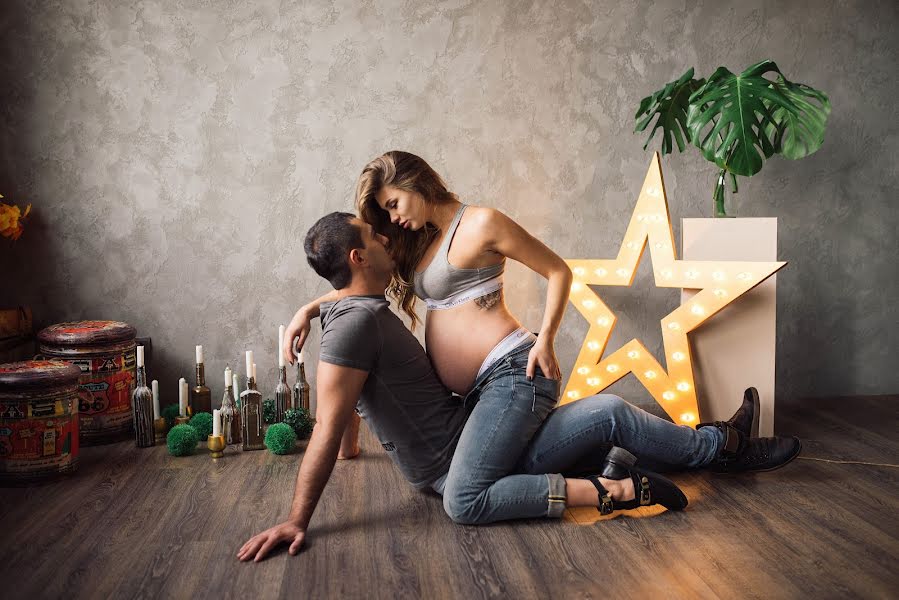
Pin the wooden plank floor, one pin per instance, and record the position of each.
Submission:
(139, 523)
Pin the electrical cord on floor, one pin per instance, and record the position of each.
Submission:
(848, 462)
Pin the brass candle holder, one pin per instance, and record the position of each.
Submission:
(216, 443)
(159, 428)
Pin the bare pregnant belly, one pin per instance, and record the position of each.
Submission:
(459, 339)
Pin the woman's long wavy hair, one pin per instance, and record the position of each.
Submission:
(412, 174)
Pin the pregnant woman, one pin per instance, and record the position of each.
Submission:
(452, 256)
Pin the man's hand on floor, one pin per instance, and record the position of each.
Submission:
(258, 546)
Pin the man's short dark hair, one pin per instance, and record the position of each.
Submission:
(328, 246)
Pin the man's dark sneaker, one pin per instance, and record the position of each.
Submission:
(741, 453)
(649, 488)
(746, 419)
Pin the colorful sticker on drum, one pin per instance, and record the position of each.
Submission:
(35, 443)
(104, 398)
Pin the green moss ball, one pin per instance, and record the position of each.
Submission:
(268, 410)
(299, 420)
(202, 422)
(182, 440)
(170, 413)
(280, 438)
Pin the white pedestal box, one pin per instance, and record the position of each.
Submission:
(735, 349)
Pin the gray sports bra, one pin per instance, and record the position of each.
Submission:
(441, 285)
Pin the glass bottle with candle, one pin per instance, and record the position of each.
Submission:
(200, 395)
(251, 411)
(301, 387)
(230, 414)
(282, 391)
(142, 404)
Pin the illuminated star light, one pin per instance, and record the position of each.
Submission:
(719, 283)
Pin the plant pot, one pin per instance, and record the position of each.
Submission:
(735, 349)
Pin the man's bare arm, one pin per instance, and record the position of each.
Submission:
(349, 445)
(338, 391)
(299, 325)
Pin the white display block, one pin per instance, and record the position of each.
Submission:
(735, 349)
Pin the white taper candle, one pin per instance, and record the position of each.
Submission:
(155, 387)
(140, 356)
(254, 371)
(182, 397)
(216, 422)
(199, 354)
(249, 363)
(227, 376)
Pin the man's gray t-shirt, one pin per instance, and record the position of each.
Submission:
(414, 417)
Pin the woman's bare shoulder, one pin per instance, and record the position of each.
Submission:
(485, 218)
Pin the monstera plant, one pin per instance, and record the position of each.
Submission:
(737, 121)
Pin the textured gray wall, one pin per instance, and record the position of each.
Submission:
(176, 154)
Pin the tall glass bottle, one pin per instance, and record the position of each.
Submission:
(301, 387)
(282, 391)
(200, 396)
(230, 413)
(251, 411)
(142, 404)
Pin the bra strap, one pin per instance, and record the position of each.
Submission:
(450, 233)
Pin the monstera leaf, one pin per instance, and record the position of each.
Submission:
(737, 121)
(669, 108)
(798, 134)
(732, 118)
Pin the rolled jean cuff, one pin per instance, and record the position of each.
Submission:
(557, 496)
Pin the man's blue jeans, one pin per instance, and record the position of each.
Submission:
(516, 444)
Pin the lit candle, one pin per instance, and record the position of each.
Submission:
(227, 376)
(155, 386)
(280, 345)
(140, 356)
(249, 363)
(182, 397)
(199, 354)
(216, 422)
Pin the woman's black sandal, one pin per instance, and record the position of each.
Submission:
(649, 488)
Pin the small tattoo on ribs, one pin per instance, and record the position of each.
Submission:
(490, 300)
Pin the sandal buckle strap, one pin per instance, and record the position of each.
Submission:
(606, 505)
(645, 495)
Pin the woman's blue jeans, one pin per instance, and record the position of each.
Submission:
(516, 445)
